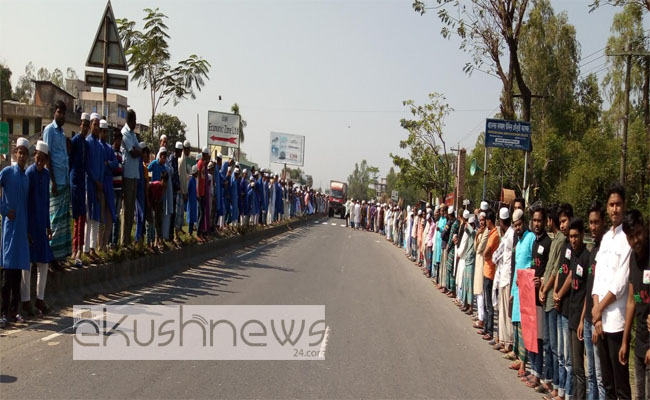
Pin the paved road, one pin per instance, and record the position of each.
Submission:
(391, 334)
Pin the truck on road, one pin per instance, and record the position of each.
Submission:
(338, 198)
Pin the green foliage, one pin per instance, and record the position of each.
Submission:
(24, 91)
(360, 180)
(5, 82)
(149, 61)
(242, 123)
(170, 126)
(428, 165)
(408, 193)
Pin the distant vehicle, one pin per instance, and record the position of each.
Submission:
(338, 197)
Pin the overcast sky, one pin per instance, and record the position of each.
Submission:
(334, 71)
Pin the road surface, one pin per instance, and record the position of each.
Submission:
(392, 335)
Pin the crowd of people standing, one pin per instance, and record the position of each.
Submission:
(83, 195)
(588, 297)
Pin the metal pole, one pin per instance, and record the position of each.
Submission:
(198, 135)
(485, 173)
(105, 76)
(525, 169)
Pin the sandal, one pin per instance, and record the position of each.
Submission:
(515, 366)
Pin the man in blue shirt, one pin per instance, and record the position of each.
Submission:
(78, 187)
(58, 165)
(131, 175)
(15, 245)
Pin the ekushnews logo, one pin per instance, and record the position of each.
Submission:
(188, 332)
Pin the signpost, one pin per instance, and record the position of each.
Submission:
(394, 195)
(223, 129)
(4, 138)
(514, 135)
(106, 53)
(287, 149)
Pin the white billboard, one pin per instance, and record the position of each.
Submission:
(223, 129)
(287, 149)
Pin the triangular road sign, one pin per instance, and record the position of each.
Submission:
(115, 58)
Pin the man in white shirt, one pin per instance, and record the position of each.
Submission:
(503, 259)
(610, 293)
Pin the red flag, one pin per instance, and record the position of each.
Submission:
(527, 307)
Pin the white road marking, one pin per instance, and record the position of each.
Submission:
(323, 345)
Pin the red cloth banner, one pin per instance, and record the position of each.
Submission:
(527, 308)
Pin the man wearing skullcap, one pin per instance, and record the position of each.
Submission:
(502, 279)
(58, 166)
(184, 174)
(108, 199)
(78, 151)
(38, 227)
(454, 225)
(203, 195)
(173, 163)
(218, 192)
(14, 184)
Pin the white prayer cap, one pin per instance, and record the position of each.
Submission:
(517, 215)
(466, 214)
(252, 179)
(187, 143)
(219, 155)
(162, 150)
(103, 124)
(482, 214)
(42, 147)
(179, 146)
(429, 210)
(244, 171)
(21, 141)
(95, 116)
(85, 117)
(195, 169)
(428, 205)
(143, 145)
(163, 137)
(205, 150)
(419, 212)
(237, 164)
(450, 210)
(484, 206)
(437, 207)
(472, 219)
(236, 170)
(504, 213)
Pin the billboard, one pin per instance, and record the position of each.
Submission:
(287, 149)
(223, 129)
(513, 135)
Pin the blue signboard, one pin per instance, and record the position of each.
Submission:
(513, 135)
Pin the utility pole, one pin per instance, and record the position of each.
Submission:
(198, 134)
(628, 69)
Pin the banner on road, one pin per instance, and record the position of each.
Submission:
(513, 135)
(223, 129)
(287, 149)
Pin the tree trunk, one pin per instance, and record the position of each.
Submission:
(646, 120)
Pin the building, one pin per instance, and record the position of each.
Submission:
(90, 102)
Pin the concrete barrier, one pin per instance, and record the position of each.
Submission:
(73, 285)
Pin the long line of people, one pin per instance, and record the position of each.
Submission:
(588, 297)
(81, 196)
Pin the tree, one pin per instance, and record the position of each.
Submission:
(70, 73)
(170, 126)
(5, 83)
(57, 78)
(490, 31)
(242, 123)
(360, 180)
(428, 166)
(24, 91)
(149, 61)
(43, 74)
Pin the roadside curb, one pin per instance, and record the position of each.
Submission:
(72, 286)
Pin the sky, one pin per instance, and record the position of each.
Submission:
(335, 71)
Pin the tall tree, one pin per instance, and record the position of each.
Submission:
(360, 179)
(57, 78)
(489, 31)
(149, 61)
(24, 91)
(70, 73)
(5, 83)
(242, 123)
(428, 165)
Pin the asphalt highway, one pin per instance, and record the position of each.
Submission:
(391, 334)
